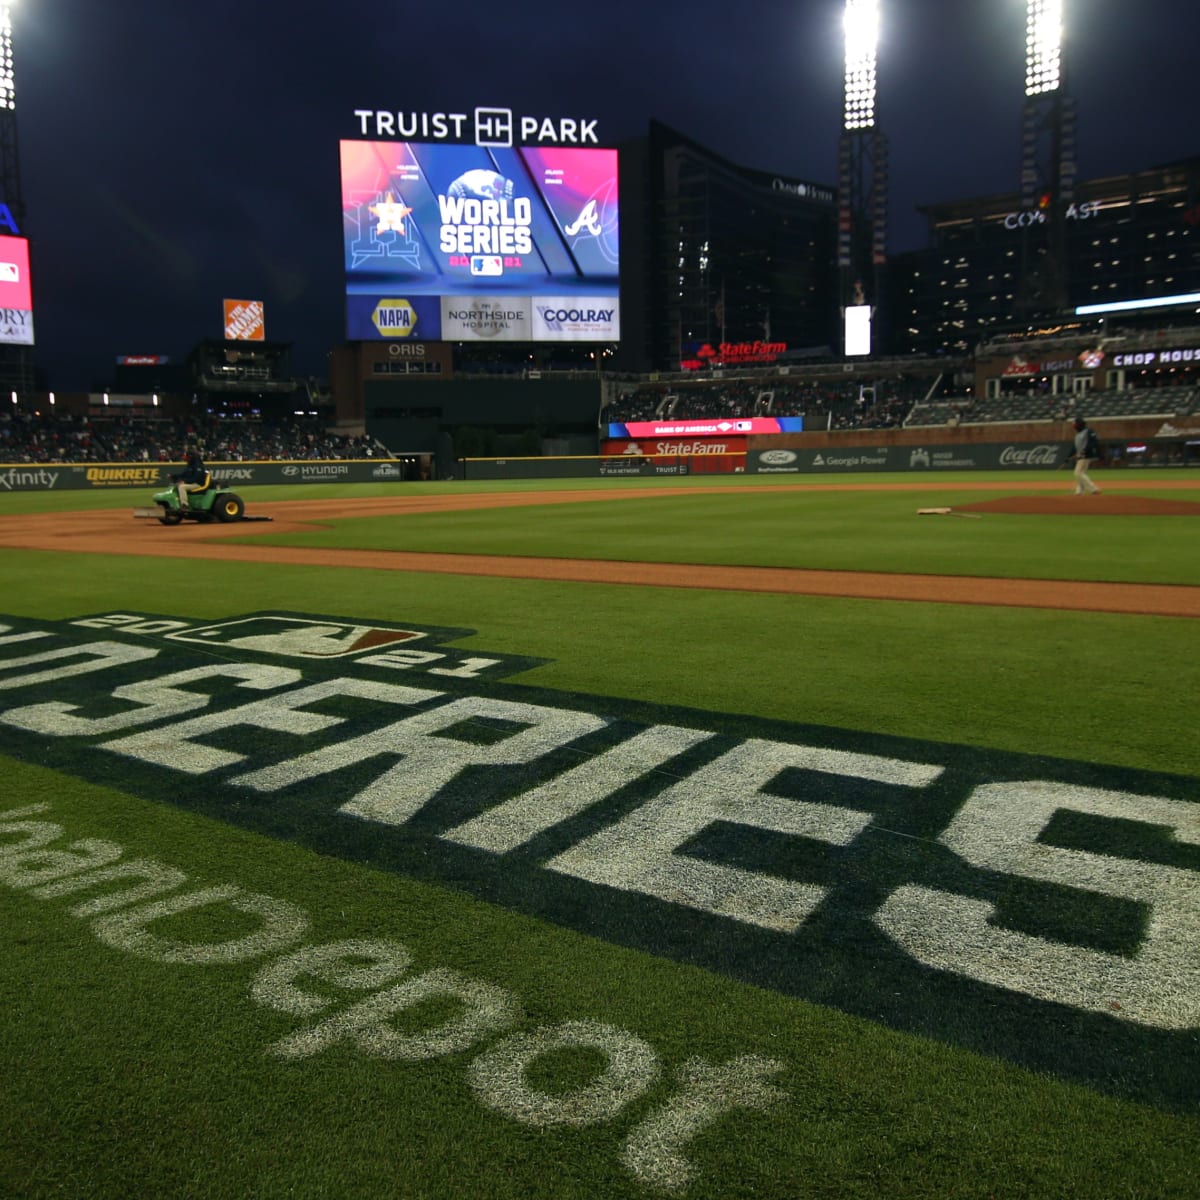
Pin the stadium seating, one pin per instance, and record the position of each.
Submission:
(52, 437)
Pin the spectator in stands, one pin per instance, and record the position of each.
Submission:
(1087, 449)
(194, 478)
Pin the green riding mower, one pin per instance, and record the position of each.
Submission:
(212, 502)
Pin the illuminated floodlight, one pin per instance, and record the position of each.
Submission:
(1043, 46)
(857, 329)
(1087, 310)
(8, 92)
(862, 37)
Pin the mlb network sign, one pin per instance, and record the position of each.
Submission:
(498, 127)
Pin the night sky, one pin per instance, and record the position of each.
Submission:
(174, 153)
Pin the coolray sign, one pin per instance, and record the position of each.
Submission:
(803, 859)
(576, 319)
(492, 127)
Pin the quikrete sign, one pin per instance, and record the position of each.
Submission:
(846, 868)
(498, 127)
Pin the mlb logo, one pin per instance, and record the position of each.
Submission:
(743, 426)
(10, 273)
(296, 637)
(487, 264)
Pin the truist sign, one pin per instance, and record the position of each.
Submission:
(482, 126)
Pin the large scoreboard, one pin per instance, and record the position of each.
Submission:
(16, 296)
(457, 243)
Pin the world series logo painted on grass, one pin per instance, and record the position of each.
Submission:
(909, 882)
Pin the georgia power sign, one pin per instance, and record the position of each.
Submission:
(833, 866)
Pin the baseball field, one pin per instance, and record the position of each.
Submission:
(696, 837)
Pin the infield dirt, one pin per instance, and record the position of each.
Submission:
(114, 532)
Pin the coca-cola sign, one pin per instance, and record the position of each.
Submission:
(1043, 455)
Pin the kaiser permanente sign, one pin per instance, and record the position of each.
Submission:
(499, 127)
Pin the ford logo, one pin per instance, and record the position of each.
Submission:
(777, 458)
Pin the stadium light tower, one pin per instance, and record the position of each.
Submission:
(1047, 159)
(862, 165)
(10, 173)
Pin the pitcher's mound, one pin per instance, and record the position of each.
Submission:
(1104, 505)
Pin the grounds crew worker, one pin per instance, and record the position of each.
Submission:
(195, 477)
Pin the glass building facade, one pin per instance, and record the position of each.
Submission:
(991, 266)
(715, 253)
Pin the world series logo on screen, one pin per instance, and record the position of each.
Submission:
(428, 228)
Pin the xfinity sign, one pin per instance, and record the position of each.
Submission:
(499, 127)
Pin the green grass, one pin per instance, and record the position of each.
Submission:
(874, 531)
(121, 1073)
(118, 1068)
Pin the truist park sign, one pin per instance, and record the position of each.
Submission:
(498, 127)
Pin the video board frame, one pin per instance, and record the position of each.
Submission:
(16, 293)
(458, 243)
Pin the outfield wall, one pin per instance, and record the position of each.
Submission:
(778, 461)
(63, 477)
(923, 457)
(1024, 446)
